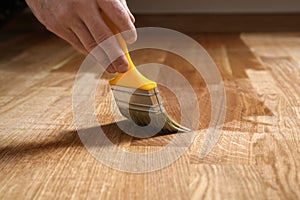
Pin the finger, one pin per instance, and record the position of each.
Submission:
(128, 11)
(115, 54)
(69, 36)
(104, 60)
(75, 42)
(90, 45)
(111, 69)
(82, 32)
(131, 16)
(103, 37)
(119, 66)
(118, 14)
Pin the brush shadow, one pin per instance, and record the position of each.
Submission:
(66, 139)
(57, 141)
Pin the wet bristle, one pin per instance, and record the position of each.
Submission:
(145, 109)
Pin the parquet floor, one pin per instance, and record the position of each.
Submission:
(256, 157)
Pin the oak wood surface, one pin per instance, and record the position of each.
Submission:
(256, 157)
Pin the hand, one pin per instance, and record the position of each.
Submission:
(80, 23)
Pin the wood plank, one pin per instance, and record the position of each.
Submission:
(257, 155)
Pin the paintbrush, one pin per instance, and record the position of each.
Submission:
(137, 97)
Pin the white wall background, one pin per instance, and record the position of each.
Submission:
(214, 6)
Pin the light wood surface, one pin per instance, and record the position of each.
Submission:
(256, 157)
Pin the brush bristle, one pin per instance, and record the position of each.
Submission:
(155, 120)
(145, 109)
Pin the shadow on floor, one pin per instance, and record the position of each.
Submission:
(63, 140)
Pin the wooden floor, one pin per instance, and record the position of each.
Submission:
(256, 157)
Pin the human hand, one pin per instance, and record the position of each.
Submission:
(80, 23)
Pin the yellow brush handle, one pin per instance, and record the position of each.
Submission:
(132, 78)
(121, 41)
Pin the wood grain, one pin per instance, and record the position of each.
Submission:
(256, 157)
